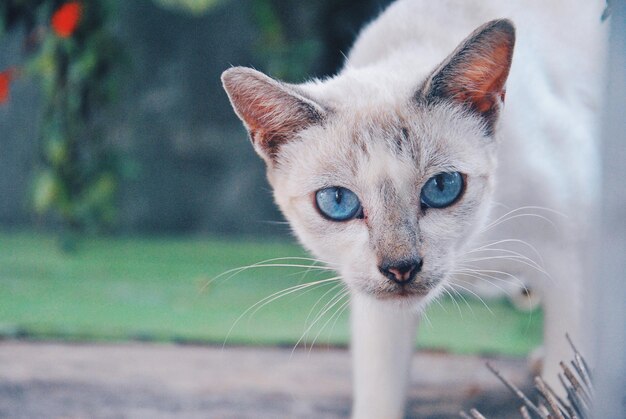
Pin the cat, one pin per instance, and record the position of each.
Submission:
(391, 170)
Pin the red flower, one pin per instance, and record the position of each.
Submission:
(5, 85)
(65, 19)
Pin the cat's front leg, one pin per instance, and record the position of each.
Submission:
(564, 313)
(383, 335)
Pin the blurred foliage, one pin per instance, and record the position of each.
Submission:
(195, 7)
(79, 172)
(72, 53)
(286, 53)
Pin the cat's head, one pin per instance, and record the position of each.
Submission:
(384, 178)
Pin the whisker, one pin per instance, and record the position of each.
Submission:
(512, 253)
(516, 280)
(329, 302)
(498, 242)
(527, 207)
(430, 323)
(462, 298)
(306, 321)
(310, 285)
(274, 222)
(273, 297)
(445, 310)
(341, 297)
(317, 318)
(236, 271)
(511, 258)
(445, 289)
(482, 279)
(510, 216)
(341, 309)
(494, 271)
(521, 257)
(474, 294)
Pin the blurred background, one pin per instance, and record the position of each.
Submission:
(132, 206)
(147, 119)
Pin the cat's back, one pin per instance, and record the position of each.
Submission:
(433, 28)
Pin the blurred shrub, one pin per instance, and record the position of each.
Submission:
(71, 52)
(288, 53)
(286, 47)
(196, 7)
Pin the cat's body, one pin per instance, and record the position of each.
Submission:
(399, 114)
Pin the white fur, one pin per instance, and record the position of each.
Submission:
(548, 130)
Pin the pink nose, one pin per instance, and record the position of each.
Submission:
(401, 272)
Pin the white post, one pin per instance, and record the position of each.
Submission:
(608, 304)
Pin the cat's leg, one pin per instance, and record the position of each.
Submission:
(563, 313)
(563, 299)
(383, 335)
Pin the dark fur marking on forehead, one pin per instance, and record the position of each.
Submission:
(360, 142)
(404, 144)
(402, 137)
(405, 133)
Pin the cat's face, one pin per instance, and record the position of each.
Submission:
(386, 157)
(387, 190)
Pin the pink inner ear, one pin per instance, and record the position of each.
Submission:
(262, 106)
(482, 78)
(475, 73)
(274, 116)
(271, 111)
(276, 113)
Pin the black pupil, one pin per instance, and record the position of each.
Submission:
(338, 195)
(439, 182)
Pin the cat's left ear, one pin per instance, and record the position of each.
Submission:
(474, 75)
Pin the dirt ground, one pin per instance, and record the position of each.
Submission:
(139, 380)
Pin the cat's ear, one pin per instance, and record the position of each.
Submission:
(271, 111)
(475, 73)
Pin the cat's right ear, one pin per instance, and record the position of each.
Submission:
(271, 111)
(474, 75)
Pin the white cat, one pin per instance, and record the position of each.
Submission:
(390, 169)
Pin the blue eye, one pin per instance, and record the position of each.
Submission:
(442, 190)
(338, 204)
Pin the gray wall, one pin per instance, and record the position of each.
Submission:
(18, 133)
(196, 170)
(607, 305)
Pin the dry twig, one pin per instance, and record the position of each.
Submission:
(576, 382)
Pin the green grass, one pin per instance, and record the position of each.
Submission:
(154, 288)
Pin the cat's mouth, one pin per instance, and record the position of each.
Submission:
(416, 290)
(401, 292)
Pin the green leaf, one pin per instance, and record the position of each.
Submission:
(46, 191)
(56, 151)
(100, 192)
(194, 7)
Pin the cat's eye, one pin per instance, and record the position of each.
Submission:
(338, 204)
(442, 190)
